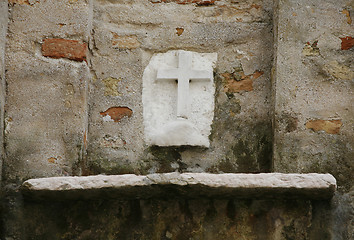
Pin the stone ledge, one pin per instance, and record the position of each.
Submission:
(187, 185)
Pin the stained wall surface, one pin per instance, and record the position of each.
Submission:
(284, 82)
(178, 219)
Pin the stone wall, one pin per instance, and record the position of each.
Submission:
(283, 103)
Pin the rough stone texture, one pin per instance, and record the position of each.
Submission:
(3, 31)
(64, 48)
(46, 106)
(241, 35)
(177, 219)
(192, 185)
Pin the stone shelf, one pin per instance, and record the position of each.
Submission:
(186, 185)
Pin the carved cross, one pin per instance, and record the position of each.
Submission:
(183, 74)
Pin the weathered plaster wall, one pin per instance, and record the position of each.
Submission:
(125, 36)
(59, 90)
(314, 127)
(46, 106)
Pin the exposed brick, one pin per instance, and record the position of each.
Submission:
(125, 42)
(238, 81)
(117, 113)
(256, 6)
(347, 13)
(64, 48)
(198, 2)
(311, 49)
(179, 31)
(347, 43)
(329, 126)
(52, 160)
(21, 2)
(85, 140)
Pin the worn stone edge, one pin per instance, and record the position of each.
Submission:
(313, 185)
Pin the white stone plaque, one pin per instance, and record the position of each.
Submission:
(178, 98)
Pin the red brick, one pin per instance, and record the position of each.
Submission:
(179, 31)
(117, 113)
(347, 43)
(64, 48)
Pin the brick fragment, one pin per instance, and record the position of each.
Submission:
(347, 13)
(117, 113)
(329, 126)
(347, 43)
(179, 31)
(64, 48)
(238, 81)
(125, 42)
(198, 2)
(20, 2)
(311, 49)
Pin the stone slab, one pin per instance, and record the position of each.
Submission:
(189, 185)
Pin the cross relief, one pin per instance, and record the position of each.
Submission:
(185, 120)
(184, 74)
